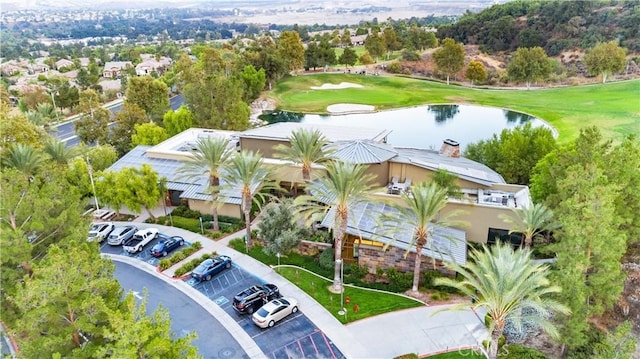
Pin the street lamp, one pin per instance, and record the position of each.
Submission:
(342, 310)
(93, 186)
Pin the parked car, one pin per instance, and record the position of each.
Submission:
(140, 239)
(209, 267)
(120, 235)
(99, 231)
(165, 245)
(254, 297)
(274, 311)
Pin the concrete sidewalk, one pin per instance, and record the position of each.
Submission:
(422, 330)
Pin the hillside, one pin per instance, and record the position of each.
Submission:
(556, 26)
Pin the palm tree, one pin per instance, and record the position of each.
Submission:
(58, 151)
(421, 208)
(24, 158)
(509, 286)
(531, 221)
(210, 156)
(306, 149)
(246, 172)
(344, 186)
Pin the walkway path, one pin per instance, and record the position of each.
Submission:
(422, 330)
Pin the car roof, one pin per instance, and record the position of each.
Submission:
(119, 230)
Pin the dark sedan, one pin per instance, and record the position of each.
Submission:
(166, 245)
(254, 297)
(210, 267)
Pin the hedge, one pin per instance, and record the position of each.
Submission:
(180, 255)
(190, 265)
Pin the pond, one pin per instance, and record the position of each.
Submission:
(423, 126)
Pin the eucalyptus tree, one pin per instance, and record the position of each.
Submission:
(245, 171)
(306, 148)
(420, 211)
(344, 186)
(530, 221)
(509, 286)
(211, 154)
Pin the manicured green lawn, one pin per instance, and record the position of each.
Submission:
(613, 107)
(369, 302)
(462, 354)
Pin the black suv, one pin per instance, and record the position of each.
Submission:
(254, 297)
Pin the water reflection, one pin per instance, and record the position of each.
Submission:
(443, 113)
(517, 117)
(423, 126)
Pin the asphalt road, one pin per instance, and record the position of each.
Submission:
(66, 131)
(186, 315)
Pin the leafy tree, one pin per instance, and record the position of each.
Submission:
(447, 180)
(254, 82)
(366, 59)
(16, 129)
(149, 94)
(530, 221)
(375, 45)
(529, 65)
(101, 157)
(263, 54)
(449, 57)
(132, 333)
(289, 48)
(148, 134)
(345, 38)
(64, 304)
(509, 286)
(619, 343)
(326, 54)
(32, 97)
(246, 173)
(515, 152)
(144, 187)
(178, 121)
(589, 248)
(348, 57)
(279, 228)
(421, 39)
(419, 211)
(392, 43)
(344, 186)
(312, 56)
(306, 147)
(92, 126)
(476, 72)
(124, 129)
(211, 154)
(605, 59)
(65, 95)
(113, 191)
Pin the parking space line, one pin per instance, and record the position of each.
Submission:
(328, 345)
(301, 350)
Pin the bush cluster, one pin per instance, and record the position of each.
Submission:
(190, 265)
(179, 256)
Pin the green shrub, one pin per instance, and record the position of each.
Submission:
(164, 264)
(326, 259)
(214, 235)
(184, 211)
(399, 282)
(357, 272)
(190, 224)
(179, 256)
(515, 351)
(190, 265)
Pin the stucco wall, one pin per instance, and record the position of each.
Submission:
(231, 210)
(265, 147)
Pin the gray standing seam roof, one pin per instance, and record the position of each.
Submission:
(361, 151)
(445, 244)
(192, 188)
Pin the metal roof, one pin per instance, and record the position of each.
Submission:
(362, 151)
(445, 244)
(282, 130)
(192, 188)
(464, 168)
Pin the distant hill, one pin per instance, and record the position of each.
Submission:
(556, 26)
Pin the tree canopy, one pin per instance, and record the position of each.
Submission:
(449, 57)
(605, 59)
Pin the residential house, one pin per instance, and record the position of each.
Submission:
(39, 66)
(485, 194)
(12, 67)
(64, 63)
(150, 65)
(114, 69)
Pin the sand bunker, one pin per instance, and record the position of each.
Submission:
(342, 85)
(344, 108)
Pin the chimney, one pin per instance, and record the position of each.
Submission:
(450, 148)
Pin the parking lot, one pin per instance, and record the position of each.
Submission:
(293, 337)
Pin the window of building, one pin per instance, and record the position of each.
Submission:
(502, 235)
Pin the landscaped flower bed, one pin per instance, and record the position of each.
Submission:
(190, 265)
(180, 255)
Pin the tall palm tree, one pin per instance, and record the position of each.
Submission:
(58, 151)
(246, 172)
(531, 221)
(210, 156)
(419, 211)
(306, 149)
(509, 286)
(24, 158)
(344, 186)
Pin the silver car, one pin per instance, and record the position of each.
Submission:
(274, 311)
(100, 231)
(121, 234)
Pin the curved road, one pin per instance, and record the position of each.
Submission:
(213, 341)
